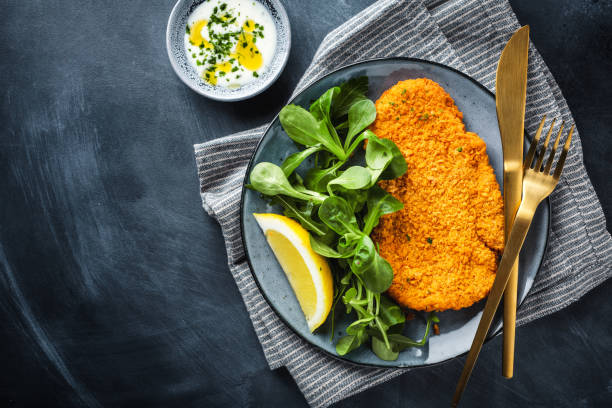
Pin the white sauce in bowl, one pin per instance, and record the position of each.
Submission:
(230, 42)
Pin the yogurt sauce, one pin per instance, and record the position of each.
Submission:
(230, 42)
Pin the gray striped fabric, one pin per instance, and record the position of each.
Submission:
(468, 35)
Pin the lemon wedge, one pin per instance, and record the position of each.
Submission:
(307, 271)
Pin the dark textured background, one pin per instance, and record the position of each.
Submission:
(114, 289)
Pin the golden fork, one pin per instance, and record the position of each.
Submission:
(538, 183)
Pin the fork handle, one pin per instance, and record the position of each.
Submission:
(522, 221)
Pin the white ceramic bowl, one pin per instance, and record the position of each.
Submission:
(175, 33)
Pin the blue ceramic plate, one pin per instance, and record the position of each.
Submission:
(457, 328)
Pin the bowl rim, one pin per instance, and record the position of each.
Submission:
(494, 331)
(227, 98)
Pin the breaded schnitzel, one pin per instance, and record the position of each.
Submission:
(443, 246)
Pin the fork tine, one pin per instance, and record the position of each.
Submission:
(534, 144)
(542, 152)
(554, 150)
(561, 161)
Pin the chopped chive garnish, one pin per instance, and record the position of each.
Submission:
(219, 47)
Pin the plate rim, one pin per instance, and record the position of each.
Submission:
(491, 335)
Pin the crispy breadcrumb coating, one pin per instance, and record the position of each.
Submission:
(443, 246)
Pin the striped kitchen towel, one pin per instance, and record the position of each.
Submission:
(468, 35)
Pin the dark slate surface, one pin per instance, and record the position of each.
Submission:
(114, 289)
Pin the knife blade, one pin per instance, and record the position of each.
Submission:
(510, 97)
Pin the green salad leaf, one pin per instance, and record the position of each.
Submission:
(353, 178)
(354, 90)
(269, 179)
(379, 203)
(397, 167)
(336, 213)
(294, 160)
(320, 109)
(373, 269)
(360, 115)
(303, 128)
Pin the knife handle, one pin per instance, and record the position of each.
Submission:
(510, 322)
(511, 252)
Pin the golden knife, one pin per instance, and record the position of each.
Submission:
(511, 91)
